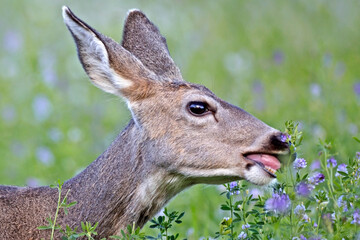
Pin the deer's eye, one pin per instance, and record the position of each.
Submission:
(198, 108)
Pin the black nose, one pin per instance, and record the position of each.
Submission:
(277, 143)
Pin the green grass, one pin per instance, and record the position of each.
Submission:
(261, 56)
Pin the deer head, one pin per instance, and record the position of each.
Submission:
(186, 129)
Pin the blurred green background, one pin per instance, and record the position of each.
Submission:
(279, 60)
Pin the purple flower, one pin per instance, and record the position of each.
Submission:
(331, 162)
(299, 210)
(278, 57)
(45, 156)
(285, 137)
(242, 235)
(358, 155)
(357, 88)
(279, 203)
(246, 226)
(315, 225)
(341, 168)
(234, 188)
(42, 107)
(315, 165)
(233, 185)
(356, 217)
(299, 163)
(342, 203)
(316, 178)
(303, 189)
(302, 237)
(306, 218)
(315, 89)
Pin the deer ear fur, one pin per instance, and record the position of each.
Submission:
(143, 39)
(109, 66)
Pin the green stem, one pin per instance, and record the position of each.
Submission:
(231, 215)
(56, 214)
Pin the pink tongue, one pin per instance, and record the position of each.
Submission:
(265, 159)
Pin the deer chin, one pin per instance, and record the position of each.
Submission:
(263, 171)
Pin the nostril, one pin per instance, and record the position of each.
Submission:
(277, 142)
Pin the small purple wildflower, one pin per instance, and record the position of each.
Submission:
(299, 163)
(341, 168)
(315, 89)
(357, 88)
(242, 235)
(279, 203)
(233, 185)
(299, 210)
(331, 162)
(234, 188)
(356, 217)
(303, 189)
(315, 225)
(315, 165)
(245, 226)
(333, 217)
(306, 218)
(285, 137)
(278, 57)
(342, 203)
(302, 237)
(316, 178)
(358, 155)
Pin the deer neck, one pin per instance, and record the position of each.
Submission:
(123, 185)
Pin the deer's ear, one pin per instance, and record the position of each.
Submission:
(108, 65)
(143, 39)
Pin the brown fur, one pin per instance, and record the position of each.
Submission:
(163, 150)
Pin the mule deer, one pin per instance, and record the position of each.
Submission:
(180, 134)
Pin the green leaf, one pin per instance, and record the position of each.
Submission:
(224, 207)
(44, 227)
(356, 139)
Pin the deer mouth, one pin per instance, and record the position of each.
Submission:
(269, 163)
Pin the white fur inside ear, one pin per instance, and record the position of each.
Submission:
(94, 57)
(119, 81)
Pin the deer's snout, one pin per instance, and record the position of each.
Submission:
(277, 143)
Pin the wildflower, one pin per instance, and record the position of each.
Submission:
(341, 168)
(331, 162)
(299, 163)
(234, 188)
(245, 226)
(303, 189)
(315, 225)
(315, 165)
(333, 217)
(279, 203)
(306, 218)
(342, 203)
(242, 235)
(285, 137)
(356, 217)
(233, 185)
(302, 237)
(357, 88)
(299, 210)
(358, 155)
(316, 178)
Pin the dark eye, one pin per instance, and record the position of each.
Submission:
(198, 108)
